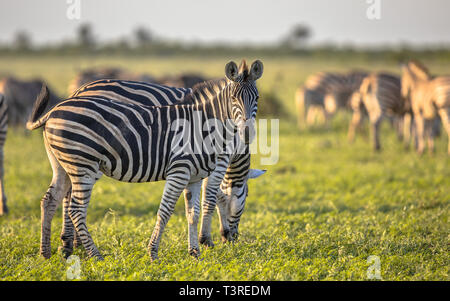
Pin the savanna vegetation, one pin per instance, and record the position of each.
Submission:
(318, 214)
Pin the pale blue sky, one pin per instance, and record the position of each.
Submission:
(257, 21)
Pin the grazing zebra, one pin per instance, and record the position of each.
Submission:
(324, 93)
(379, 95)
(16, 103)
(429, 97)
(233, 188)
(86, 137)
(20, 96)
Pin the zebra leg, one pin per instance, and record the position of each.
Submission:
(223, 203)
(175, 184)
(67, 231)
(58, 188)
(192, 206)
(211, 188)
(3, 206)
(428, 127)
(80, 197)
(407, 130)
(399, 123)
(375, 133)
(419, 121)
(354, 123)
(444, 113)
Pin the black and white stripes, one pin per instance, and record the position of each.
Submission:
(89, 136)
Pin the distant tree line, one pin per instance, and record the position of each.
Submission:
(143, 41)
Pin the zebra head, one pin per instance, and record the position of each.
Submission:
(244, 96)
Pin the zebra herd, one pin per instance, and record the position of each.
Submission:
(197, 139)
(414, 102)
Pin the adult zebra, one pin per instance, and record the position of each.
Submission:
(324, 93)
(86, 137)
(233, 190)
(379, 95)
(16, 104)
(429, 96)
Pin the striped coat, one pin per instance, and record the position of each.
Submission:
(430, 98)
(234, 184)
(324, 93)
(89, 136)
(379, 96)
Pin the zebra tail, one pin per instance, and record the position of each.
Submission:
(36, 120)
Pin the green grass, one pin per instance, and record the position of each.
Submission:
(318, 214)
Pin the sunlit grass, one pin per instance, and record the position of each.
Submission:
(316, 215)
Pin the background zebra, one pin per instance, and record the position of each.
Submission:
(324, 93)
(429, 98)
(88, 136)
(16, 103)
(234, 189)
(379, 96)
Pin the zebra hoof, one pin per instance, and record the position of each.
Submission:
(194, 252)
(65, 251)
(46, 254)
(206, 241)
(4, 210)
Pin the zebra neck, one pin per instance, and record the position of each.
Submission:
(214, 106)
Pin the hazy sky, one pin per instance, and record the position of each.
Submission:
(259, 21)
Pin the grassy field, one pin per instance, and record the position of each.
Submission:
(318, 214)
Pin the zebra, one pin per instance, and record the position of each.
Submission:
(233, 192)
(379, 95)
(86, 137)
(430, 97)
(15, 106)
(324, 93)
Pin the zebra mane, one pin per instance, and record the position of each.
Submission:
(213, 86)
(419, 69)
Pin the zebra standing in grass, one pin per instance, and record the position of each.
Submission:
(16, 102)
(429, 97)
(379, 95)
(324, 93)
(233, 192)
(86, 137)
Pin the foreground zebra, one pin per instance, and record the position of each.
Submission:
(323, 94)
(234, 189)
(379, 95)
(429, 97)
(86, 137)
(16, 103)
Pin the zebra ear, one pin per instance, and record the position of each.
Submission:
(255, 173)
(231, 71)
(256, 70)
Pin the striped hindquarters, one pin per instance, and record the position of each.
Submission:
(381, 92)
(441, 91)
